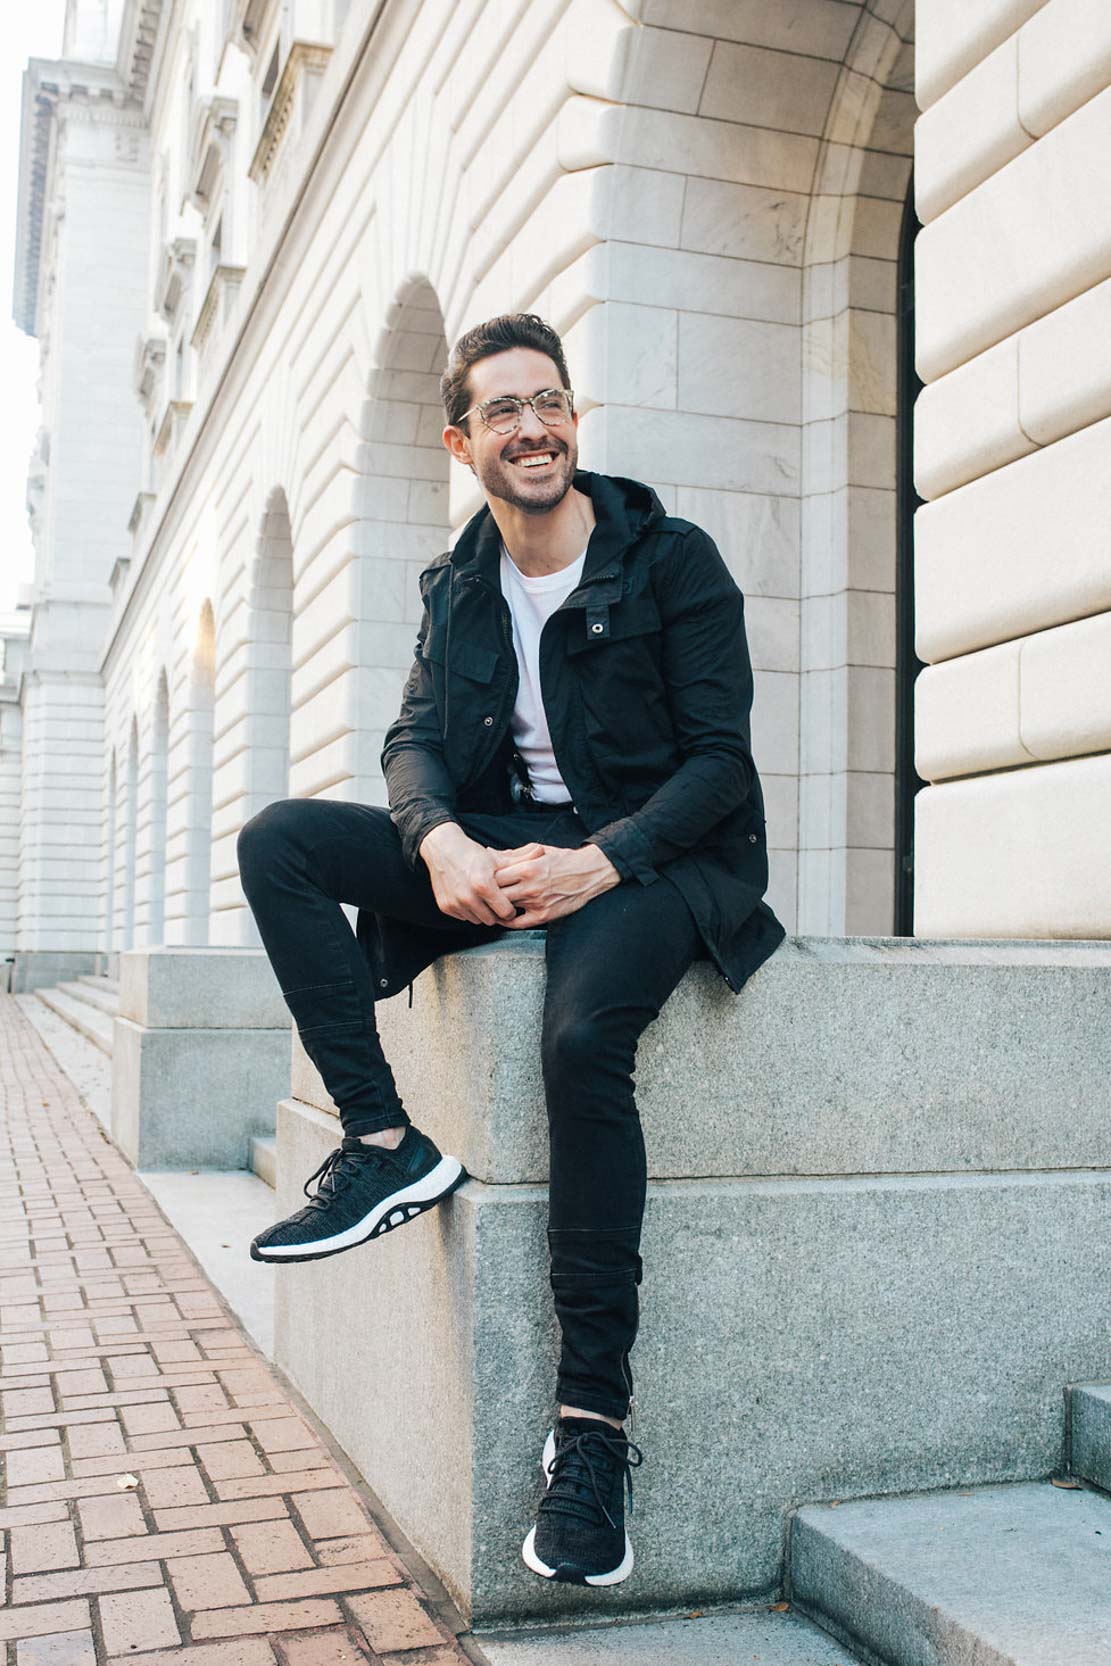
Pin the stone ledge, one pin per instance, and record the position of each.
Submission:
(839, 1056)
(201, 988)
(1090, 1432)
(801, 1339)
(200, 1055)
(194, 1098)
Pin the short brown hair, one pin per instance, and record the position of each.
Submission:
(497, 335)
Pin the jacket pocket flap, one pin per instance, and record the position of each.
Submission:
(467, 658)
(635, 616)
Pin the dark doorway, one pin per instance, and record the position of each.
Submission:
(907, 663)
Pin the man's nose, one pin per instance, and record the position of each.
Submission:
(531, 426)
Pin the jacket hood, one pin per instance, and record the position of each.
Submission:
(623, 509)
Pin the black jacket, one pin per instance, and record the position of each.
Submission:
(647, 688)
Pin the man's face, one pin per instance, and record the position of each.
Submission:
(532, 468)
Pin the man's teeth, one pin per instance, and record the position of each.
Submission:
(535, 459)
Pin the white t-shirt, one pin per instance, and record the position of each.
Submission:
(531, 602)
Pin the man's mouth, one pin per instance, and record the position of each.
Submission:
(533, 459)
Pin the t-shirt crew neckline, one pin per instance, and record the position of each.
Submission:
(544, 581)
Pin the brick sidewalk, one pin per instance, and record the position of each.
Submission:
(165, 1501)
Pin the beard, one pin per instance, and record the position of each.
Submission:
(513, 485)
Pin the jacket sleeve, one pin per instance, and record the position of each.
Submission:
(420, 789)
(708, 680)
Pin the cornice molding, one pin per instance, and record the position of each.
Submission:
(138, 43)
(56, 90)
(303, 59)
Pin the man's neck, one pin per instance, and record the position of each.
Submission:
(540, 544)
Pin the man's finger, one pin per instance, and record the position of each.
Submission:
(529, 920)
(513, 873)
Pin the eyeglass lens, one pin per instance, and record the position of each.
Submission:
(503, 415)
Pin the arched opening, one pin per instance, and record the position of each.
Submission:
(270, 607)
(192, 788)
(131, 838)
(156, 854)
(851, 404)
(259, 733)
(110, 860)
(402, 497)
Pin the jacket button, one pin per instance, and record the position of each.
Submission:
(597, 629)
(383, 983)
(752, 838)
(488, 722)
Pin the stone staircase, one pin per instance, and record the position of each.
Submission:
(1007, 1575)
(263, 1159)
(88, 1004)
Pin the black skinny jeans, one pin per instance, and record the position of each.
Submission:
(610, 967)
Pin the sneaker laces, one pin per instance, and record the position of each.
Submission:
(338, 1170)
(573, 1470)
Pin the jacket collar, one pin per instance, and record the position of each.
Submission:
(623, 509)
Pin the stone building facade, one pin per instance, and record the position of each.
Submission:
(248, 229)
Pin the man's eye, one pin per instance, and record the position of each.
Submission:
(499, 409)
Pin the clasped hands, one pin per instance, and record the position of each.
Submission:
(518, 889)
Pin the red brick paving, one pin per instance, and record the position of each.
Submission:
(164, 1502)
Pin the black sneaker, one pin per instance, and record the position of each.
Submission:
(364, 1191)
(580, 1536)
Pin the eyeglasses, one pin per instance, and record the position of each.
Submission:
(503, 414)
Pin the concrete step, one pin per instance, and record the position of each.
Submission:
(96, 991)
(85, 1016)
(263, 1159)
(772, 1639)
(1090, 1432)
(1015, 1575)
(100, 980)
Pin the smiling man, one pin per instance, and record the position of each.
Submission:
(572, 753)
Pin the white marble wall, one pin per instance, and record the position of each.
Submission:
(1013, 713)
(90, 295)
(13, 648)
(706, 201)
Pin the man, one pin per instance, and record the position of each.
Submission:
(572, 753)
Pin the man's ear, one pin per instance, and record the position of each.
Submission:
(459, 446)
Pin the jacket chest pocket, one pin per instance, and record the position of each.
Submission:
(467, 659)
(607, 623)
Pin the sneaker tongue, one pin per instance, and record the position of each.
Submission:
(590, 1426)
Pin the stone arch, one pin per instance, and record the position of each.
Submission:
(131, 835)
(848, 521)
(358, 542)
(156, 842)
(402, 497)
(189, 865)
(257, 692)
(110, 857)
(268, 668)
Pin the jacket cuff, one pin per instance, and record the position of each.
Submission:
(627, 849)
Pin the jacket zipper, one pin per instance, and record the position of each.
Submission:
(567, 605)
(510, 694)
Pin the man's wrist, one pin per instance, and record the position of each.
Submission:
(438, 837)
(602, 865)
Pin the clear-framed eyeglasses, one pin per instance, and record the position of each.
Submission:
(503, 414)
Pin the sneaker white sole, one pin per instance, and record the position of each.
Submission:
(614, 1577)
(393, 1211)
